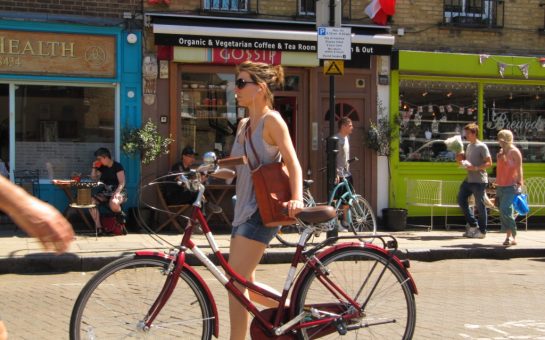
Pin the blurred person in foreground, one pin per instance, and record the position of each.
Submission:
(36, 218)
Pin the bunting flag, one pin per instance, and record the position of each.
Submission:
(380, 10)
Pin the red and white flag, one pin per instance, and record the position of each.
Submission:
(380, 10)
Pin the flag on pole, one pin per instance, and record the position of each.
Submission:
(380, 10)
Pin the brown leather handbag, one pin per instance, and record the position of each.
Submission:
(272, 189)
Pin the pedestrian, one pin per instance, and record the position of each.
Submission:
(271, 139)
(178, 194)
(509, 181)
(475, 160)
(112, 175)
(36, 218)
(345, 128)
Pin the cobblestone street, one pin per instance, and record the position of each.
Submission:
(458, 299)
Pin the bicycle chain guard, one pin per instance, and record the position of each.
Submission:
(257, 331)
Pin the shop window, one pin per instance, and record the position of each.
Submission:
(208, 112)
(307, 7)
(58, 128)
(226, 5)
(430, 112)
(473, 13)
(520, 109)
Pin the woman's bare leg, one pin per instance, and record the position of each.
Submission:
(244, 256)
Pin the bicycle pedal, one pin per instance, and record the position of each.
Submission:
(341, 326)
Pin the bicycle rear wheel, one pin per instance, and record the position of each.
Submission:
(114, 302)
(390, 312)
(362, 218)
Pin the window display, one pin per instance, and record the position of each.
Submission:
(430, 112)
(520, 109)
(208, 112)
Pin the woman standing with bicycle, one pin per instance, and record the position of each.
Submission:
(271, 139)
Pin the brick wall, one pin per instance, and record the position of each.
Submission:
(421, 21)
(93, 8)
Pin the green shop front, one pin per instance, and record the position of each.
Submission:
(434, 95)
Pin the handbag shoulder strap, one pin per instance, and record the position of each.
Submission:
(248, 137)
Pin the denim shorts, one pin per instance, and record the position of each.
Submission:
(254, 229)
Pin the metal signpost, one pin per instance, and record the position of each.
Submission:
(334, 46)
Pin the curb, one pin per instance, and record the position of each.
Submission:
(51, 263)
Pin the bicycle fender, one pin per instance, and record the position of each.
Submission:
(196, 276)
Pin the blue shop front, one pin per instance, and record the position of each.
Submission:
(65, 91)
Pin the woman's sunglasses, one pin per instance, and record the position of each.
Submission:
(241, 83)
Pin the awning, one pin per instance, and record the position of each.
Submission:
(264, 34)
(293, 40)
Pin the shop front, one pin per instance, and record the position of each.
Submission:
(202, 54)
(439, 93)
(65, 91)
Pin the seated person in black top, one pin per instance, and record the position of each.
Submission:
(112, 174)
(177, 194)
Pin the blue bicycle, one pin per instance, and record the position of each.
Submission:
(361, 218)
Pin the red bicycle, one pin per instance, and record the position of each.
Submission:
(356, 288)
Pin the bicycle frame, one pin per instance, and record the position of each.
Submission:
(347, 196)
(309, 257)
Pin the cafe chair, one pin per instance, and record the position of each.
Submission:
(173, 211)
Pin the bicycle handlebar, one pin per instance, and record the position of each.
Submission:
(351, 160)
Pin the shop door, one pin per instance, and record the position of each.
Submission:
(287, 106)
(353, 108)
(4, 127)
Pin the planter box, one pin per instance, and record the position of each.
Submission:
(394, 219)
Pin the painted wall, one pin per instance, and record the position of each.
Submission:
(444, 67)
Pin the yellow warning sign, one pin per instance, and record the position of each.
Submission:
(334, 67)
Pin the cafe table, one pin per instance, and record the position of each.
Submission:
(217, 194)
(78, 201)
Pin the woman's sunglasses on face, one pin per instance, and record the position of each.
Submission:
(241, 83)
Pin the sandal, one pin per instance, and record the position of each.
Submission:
(513, 243)
(506, 242)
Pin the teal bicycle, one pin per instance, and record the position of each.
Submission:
(361, 218)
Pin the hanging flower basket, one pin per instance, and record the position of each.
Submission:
(145, 141)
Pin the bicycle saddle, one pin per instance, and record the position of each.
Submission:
(318, 214)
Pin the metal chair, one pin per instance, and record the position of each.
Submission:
(424, 193)
(29, 180)
(534, 187)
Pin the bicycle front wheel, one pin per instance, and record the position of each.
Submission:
(362, 218)
(388, 306)
(114, 303)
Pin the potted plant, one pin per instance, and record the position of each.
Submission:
(146, 142)
(149, 144)
(379, 138)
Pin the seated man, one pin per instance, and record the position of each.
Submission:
(174, 193)
(113, 193)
